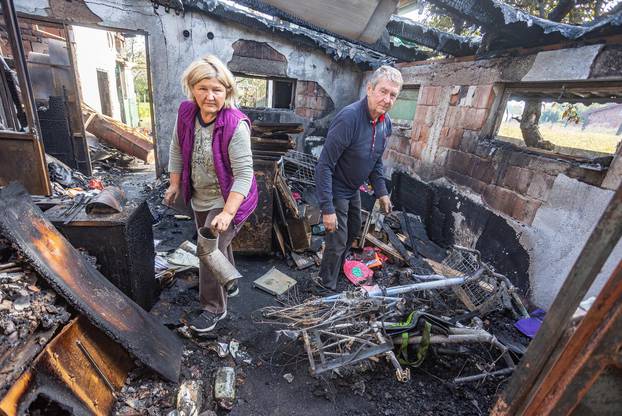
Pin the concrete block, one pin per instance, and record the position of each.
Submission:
(563, 64)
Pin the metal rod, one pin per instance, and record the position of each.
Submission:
(96, 367)
(476, 377)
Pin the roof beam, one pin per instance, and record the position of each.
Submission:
(440, 41)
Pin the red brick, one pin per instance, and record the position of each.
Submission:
(463, 180)
(517, 179)
(436, 95)
(540, 186)
(453, 100)
(484, 170)
(415, 132)
(421, 113)
(484, 96)
(473, 118)
(450, 117)
(450, 137)
(420, 133)
(511, 204)
(424, 133)
(459, 162)
(424, 96)
(525, 209)
(416, 149)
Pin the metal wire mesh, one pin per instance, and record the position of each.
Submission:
(462, 261)
(476, 294)
(298, 167)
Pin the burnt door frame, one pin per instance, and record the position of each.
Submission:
(25, 149)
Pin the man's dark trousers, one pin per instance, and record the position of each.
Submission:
(338, 243)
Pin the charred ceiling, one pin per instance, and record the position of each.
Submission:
(506, 27)
(338, 48)
(429, 37)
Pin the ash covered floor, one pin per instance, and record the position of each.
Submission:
(262, 385)
(262, 388)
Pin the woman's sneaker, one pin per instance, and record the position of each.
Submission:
(206, 321)
(233, 290)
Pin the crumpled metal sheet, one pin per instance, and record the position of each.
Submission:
(84, 287)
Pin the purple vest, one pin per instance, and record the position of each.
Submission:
(226, 122)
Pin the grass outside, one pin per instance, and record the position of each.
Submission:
(144, 115)
(592, 139)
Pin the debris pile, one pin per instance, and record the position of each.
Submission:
(271, 140)
(297, 216)
(30, 313)
(410, 305)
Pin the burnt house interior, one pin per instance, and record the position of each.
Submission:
(493, 287)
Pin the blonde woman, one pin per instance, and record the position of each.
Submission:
(211, 166)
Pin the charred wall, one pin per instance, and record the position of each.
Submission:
(175, 41)
(453, 218)
(548, 204)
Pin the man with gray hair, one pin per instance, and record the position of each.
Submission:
(352, 154)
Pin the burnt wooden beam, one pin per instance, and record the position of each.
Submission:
(438, 40)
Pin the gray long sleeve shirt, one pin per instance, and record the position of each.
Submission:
(206, 193)
(352, 154)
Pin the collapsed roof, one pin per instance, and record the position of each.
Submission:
(503, 27)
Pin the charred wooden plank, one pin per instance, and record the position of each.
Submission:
(84, 287)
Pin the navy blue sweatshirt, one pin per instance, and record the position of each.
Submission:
(351, 155)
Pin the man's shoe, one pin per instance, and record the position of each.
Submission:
(206, 321)
(233, 290)
(319, 289)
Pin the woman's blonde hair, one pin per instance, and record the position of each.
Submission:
(207, 68)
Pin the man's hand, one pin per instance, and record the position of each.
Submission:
(385, 204)
(330, 222)
(221, 222)
(170, 196)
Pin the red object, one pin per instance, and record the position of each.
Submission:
(96, 184)
(296, 196)
(357, 272)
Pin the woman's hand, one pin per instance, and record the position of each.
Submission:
(221, 222)
(170, 196)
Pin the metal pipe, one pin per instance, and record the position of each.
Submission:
(398, 290)
(483, 375)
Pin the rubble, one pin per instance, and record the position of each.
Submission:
(190, 398)
(224, 387)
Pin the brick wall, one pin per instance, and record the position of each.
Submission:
(446, 141)
(312, 101)
(34, 38)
